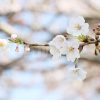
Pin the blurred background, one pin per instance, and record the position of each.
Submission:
(33, 75)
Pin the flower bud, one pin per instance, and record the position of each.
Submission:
(98, 26)
(27, 49)
(14, 36)
(96, 30)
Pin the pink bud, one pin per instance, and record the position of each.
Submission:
(13, 36)
(98, 26)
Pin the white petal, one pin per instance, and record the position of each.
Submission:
(54, 50)
(82, 74)
(70, 57)
(58, 41)
(85, 29)
(77, 74)
(73, 42)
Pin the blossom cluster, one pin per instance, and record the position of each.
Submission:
(69, 45)
(60, 45)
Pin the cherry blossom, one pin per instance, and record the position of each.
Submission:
(71, 49)
(55, 46)
(69, 46)
(3, 42)
(77, 26)
(78, 74)
(13, 36)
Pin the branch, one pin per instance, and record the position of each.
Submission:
(42, 47)
(91, 42)
(46, 46)
(7, 28)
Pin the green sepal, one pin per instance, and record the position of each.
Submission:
(17, 40)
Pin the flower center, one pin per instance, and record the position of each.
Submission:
(76, 71)
(77, 26)
(71, 49)
(1, 44)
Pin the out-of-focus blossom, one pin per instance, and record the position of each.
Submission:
(56, 46)
(76, 74)
(13, 36)
(71, 49)
(3, 42)
(77, 26)
(9, 6)
(27, 48)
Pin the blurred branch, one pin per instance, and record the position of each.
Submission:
(8, 29)
(61, 66)
(7, 66)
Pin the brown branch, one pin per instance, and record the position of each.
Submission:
(90, 42)
(45, 47)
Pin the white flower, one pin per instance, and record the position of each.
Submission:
(77, 74)
(55, 46)
(77, 26)
(13, 36)
(3, 42)
(71, 49)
